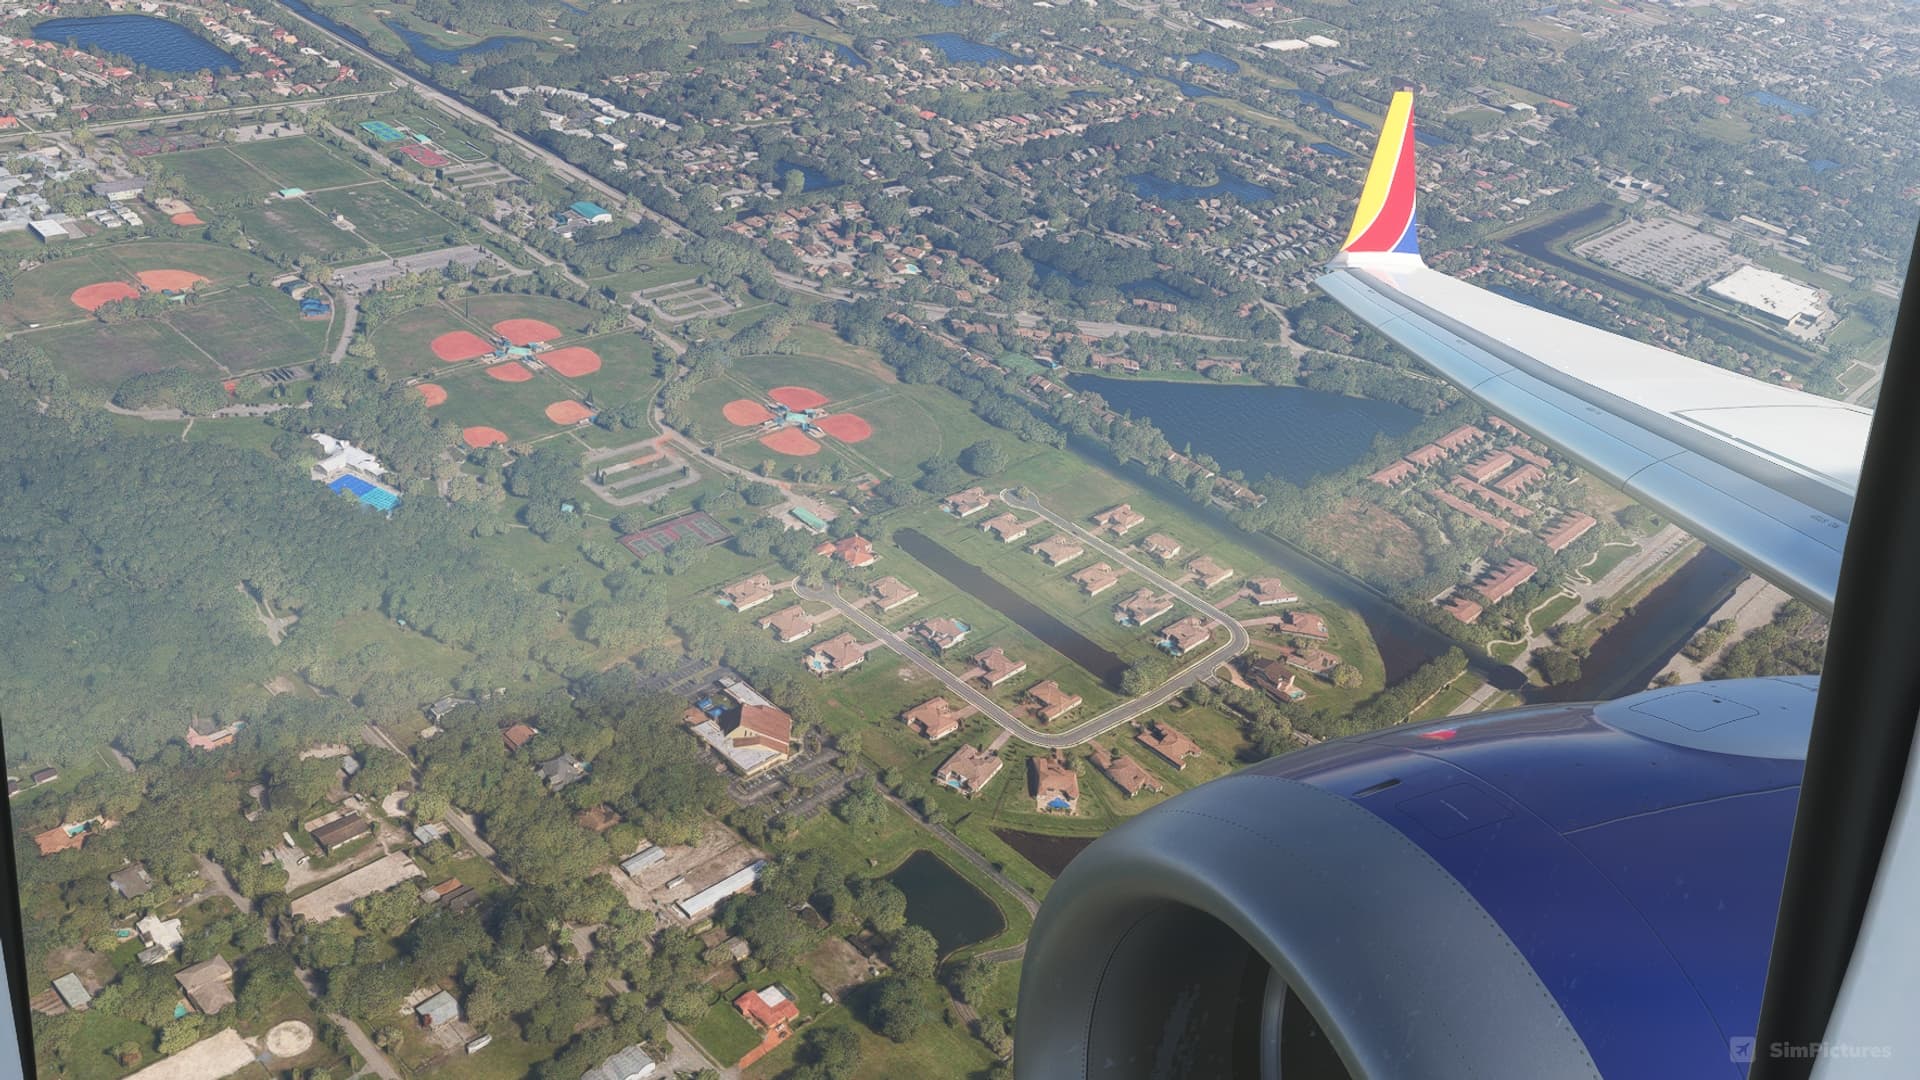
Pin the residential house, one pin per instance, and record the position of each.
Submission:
(768, 1008)
(1488, 466)
(789, 624)
(212, 740)
(1303, 623)
(1161, 546)
(1119, 520)
(518, 736)
(336, 832)
(891, 592)
(856, 551)
(1393, 474)
(208, 984)
(438, 711)
(1463, 436)
(936, 718)
(1267, 591)
(1312, 661)
(439, 1010)
(1058, 550)
(747, 593)
(1425, 456)
(130, 881)
(969, 770)
(1142, 607)
(558, 772)
(1519, 480)
(1006, 527)
(1498, 583)
(1171, 745)
(1052, 701)
(994, 667)
(162, 936)
(842, 652)
(1272, 676)
(1208, 573)
(1125, 772)
(1056, 786)
(941, 632)
(966, 503)
(1095, 579)
(1463, 609)
(627, 1063)
(1182, 637)
(1565, 529)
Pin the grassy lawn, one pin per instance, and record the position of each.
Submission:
(252, 327)
(1606, 559)
(221, 265)
(519, 409)
(404, 343)
(215, 173)
(487, 309)
(634, 280)
(295, 226)
(300, 162)
(103, 355)
(936, 1050)
(384, 215)
(724, 1033)
(43, 294)
(89, 1056)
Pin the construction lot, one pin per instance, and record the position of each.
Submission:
(716, 853)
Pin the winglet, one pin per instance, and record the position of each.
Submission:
(1383, 224)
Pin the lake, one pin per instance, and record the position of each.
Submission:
(1050, 853)
(965, 51)
(1149, 186)
(945, 904)
(424, 48)
(852, 58)
(1190, 89)
(152, 43)
(1286, 431)
(1032, 618)
(1208, 58)
(814, 179)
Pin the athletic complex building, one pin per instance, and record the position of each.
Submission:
(349, 469)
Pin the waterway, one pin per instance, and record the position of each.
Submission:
(152, 43)
(1050, 853)
(964, 51)
(846, 54)
(1032, 618)
(1286, 431)
(1536, 243)
(944, 903)
(1632, 652)
(423, 47)
(1149, 186)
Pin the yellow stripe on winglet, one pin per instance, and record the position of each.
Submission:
(1386, 158)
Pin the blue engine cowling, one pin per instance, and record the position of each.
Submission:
(1569, 890)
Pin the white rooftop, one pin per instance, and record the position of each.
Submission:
(1763, 290)
(700, 904)
(343, 455)
(158, 931)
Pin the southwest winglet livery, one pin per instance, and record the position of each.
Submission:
(1765, 473)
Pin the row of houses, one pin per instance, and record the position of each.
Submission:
(1054, 784)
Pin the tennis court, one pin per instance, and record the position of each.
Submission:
(382, 130)
(371, 494)
(655, 539)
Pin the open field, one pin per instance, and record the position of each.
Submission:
(93, 352)
(252, 327)
(572, 319)
(394, 222)
(42, 295)
(296, 226)
(300, 162)
(215, 174)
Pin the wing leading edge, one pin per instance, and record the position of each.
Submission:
(1765, 473)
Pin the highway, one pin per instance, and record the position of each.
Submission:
(1086, 731)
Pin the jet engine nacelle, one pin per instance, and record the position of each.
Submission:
(1556, 891)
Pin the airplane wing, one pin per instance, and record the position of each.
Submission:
(1764, 473)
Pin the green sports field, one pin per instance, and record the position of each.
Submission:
(300, 162)
(41, 295)
(396, 223)
(252, 327)
(572, 319)
(214, 173)
(102, 355)
(294, 226)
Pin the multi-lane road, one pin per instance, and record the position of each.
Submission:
(1123, 713)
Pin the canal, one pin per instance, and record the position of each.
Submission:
(1633, 650)
(945, 904)
(1537, 243)
(976, 583)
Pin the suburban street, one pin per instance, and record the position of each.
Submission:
(1123, 713)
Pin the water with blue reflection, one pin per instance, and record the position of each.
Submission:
(424, 48)
(852, 58)
(1786, 105)
(1208, 58)
(966, 51)
(1286, 431)
(1149, 186)
(152, 43)
(814, 178)
(1190, 89)
(1329, 148)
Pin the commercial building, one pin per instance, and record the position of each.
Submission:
(1773, 295)
(702, 903)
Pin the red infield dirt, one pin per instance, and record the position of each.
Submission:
(187, 217)
(846, 427)
(478, 437)
(798, 397)
(743, 413)
(526, 331)
(171, 280)
(435, 395)
(572, 362)
(568, 412)
(511, 371)
(460, 345)
(90, 297)
(790, 441)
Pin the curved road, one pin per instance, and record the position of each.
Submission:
(1123, 713)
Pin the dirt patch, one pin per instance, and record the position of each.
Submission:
(511, 371)
(94, 970)
(289, 1039)
(743, 413)
(171, 280)
(839, 967)
(568, 412)
(845, 427)
(791, 441)
(91, 297)
(798, 398)
(460, 345)
(434, 395)
(187, 218)
(526, 331)
(480, 435)
(573, 361)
